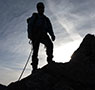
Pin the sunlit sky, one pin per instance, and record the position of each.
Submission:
(71, 21)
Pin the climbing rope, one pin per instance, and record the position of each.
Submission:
(26, 61)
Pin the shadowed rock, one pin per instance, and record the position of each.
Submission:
(2, 87)
(78, 74)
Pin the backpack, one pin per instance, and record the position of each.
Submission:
(30, 26)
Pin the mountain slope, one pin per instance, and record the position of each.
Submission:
(78, 74)
(2, 87)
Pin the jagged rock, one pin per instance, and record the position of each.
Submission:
(86, 50)
(2, 87)
(78, 74)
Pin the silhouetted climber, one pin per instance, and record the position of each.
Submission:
(38, 28)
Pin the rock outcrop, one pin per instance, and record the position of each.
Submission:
(3, 87)
(78, 74)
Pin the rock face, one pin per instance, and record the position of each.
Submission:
(78, 74)
(2, 87)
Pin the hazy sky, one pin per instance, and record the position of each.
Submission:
(71, 20)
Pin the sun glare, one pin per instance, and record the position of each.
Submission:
(63, 52)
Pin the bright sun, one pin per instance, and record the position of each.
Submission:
(63, 52)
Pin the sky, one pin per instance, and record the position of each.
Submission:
(71, 21)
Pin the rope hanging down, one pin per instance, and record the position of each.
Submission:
(25, 64)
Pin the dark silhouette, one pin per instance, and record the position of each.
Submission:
(78, 74)
(38, 27)
(3, 87)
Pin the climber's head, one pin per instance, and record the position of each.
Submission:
(40, 8)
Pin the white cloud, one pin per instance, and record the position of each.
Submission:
(71, 19)
(62, 19)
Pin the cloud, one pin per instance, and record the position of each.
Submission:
(8, 75)
(62, 19)
(71, 20)
(77, 17)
